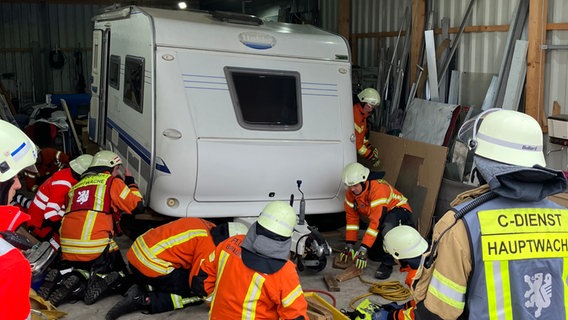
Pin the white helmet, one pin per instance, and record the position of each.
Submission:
(278, 217)
(81, 163)
(105, 158)
(404, 242)
(370, 96)
(18, 152)
(354, 173)
(236, 228)
(509, 137)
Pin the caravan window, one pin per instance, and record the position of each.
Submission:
(134, 82)
(266, 99)
(114, 72)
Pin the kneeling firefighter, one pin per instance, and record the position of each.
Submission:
(87, 229)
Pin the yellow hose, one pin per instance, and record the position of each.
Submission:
(390, 290)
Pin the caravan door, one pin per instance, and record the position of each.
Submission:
(97, 113)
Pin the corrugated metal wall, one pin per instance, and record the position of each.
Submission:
(30, 33)
(479, 54)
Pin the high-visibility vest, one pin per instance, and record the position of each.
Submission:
(87, 227)
(91, 193)
(520, 262)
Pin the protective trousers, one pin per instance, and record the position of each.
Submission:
(393, 218)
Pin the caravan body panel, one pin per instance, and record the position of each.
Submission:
(194, 144)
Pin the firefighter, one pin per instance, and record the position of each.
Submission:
(407, 247)
(18, 153)
(502, 254)
(87, 231)
(369, 99)
(374, 201)
(165, 259)
(48, 206)
(258, 260)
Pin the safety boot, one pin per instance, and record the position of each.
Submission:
(383, 272)
(52, 278)
(71, 288)
(99, 285)
(134, 299)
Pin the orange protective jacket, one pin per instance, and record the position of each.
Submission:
(180, 244)
(242, 293)
(87, 227)
(376, 196)
(364, 148)
(49, 203)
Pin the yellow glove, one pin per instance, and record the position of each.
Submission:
(375, 158)
(346, 253)
(361, 258)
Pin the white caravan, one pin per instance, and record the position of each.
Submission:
(218, 114)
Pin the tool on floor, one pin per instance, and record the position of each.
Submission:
(309, 247)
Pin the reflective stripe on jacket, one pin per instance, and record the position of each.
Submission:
(49, 201)
(182, 243)
(443, 288)
(520, 257)
(242, 293)
(376, 196)
(87, 227)
(363, 147)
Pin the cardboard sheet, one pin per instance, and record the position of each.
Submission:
(415, 169)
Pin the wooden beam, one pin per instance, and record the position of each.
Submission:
(344, 16)
(534, 88)
(557, 26)
(417, 35)
(467, 29)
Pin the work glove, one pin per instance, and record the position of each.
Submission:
(347, 252)
(361, 258)
(375, 158)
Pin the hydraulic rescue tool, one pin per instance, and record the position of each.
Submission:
(309, 248)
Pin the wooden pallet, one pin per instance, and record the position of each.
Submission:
(317, 310)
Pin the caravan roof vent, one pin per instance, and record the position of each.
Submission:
(240, 18)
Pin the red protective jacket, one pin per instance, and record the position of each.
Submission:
(376, 196)
(88, 227)
(180, 244)
(15, 270)
(364, 148)
(243, 293)
(48, 206)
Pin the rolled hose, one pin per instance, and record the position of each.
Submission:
(390, 290)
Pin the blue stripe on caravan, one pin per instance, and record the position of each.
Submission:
(133, 144)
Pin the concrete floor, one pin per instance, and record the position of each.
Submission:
(310, 280)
